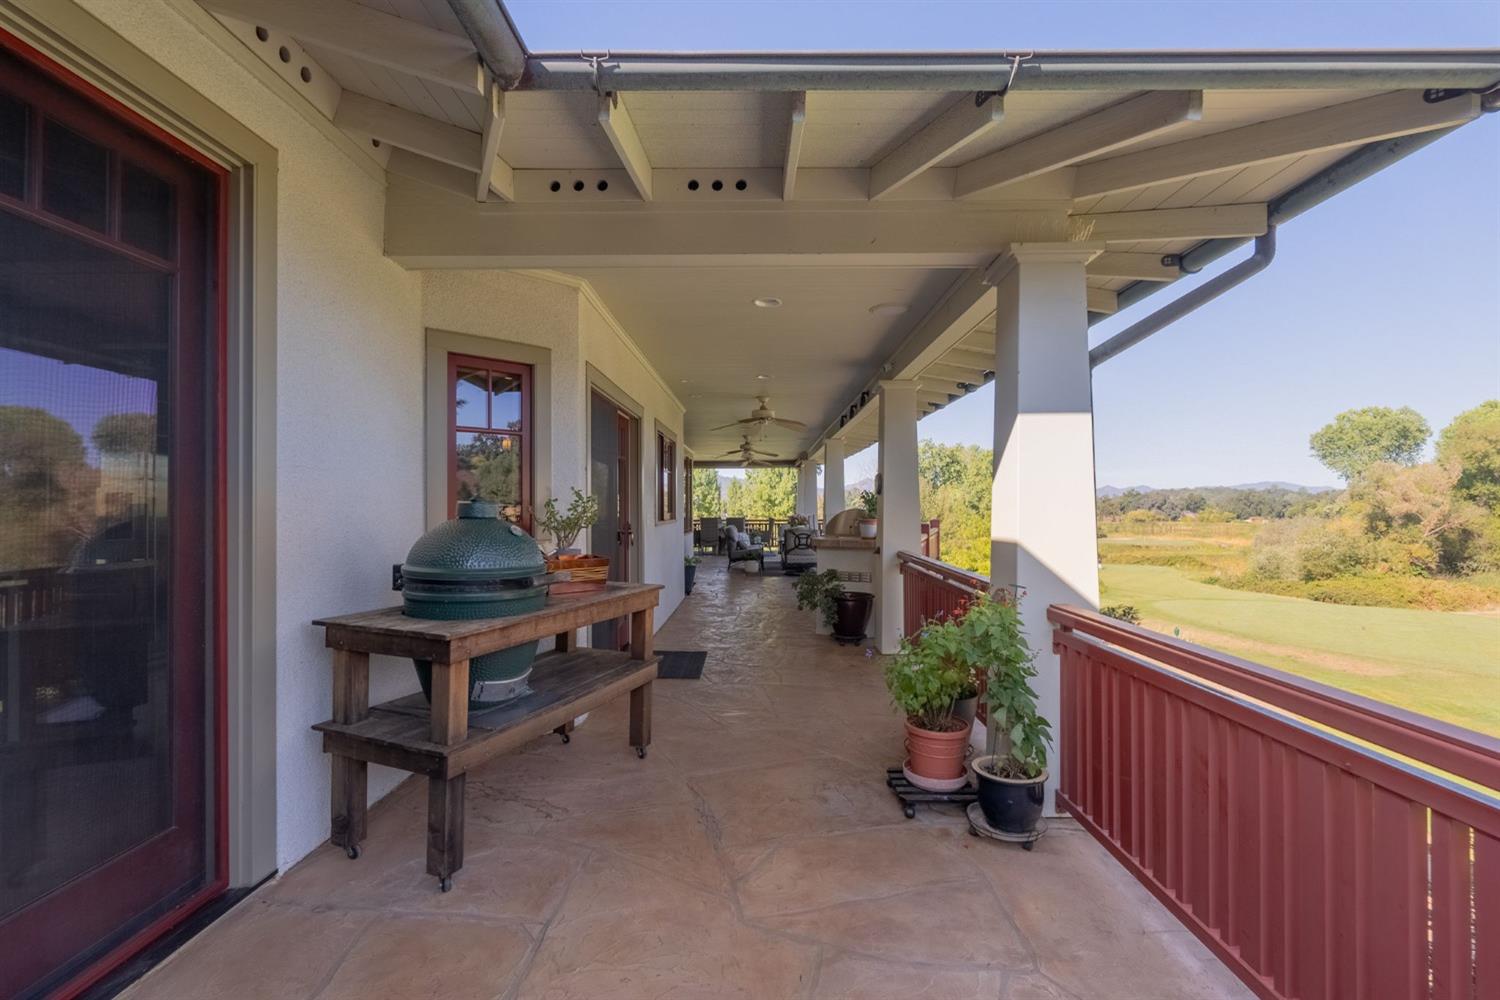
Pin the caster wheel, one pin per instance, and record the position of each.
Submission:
(566, 738)
(911, 811)
(1028, 845)
(640, 752)
(445, 883)
(353, 852)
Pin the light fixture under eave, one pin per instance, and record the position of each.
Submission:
(888, 308)
(767, 302)
(762, 378)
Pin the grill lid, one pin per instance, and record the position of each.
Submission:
(475, 546)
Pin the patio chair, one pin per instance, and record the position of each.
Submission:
(797, 553)
(741, 549)
(708, 534)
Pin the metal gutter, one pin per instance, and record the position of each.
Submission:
(494, 34)
(954, 71)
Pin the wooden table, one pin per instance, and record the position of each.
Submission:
(442, 741)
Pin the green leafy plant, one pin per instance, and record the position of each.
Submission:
(869, 502)
(930, 674)
(819, 592)
(690, 560)
(996, 645)
(1122, 612)
(565, 527)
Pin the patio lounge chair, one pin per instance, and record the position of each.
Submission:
(797, 554)
(740, 548)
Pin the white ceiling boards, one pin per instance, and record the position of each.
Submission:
(684, 186)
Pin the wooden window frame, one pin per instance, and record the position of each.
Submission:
(687, 493)
(666, 477)
(523, 436)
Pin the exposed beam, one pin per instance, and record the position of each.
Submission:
(1208, 223)
(973, 116)
(1384, 116)
(419, 134)
(427, 227)
(952, 371)
(795, 128)
(1135, 266)
(1104, 130)
(617, 126)
(367, 35)
(1102, 300)
(489, 144)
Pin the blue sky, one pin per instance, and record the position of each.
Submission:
(1389, 294)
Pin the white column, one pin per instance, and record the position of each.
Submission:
(807, 489)
(900, 507)
(1042, 513)
(833, 478)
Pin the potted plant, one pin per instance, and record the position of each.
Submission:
(1014, 769)
(870, 504)
(689, 570)
(586, 572)
(819, 592)
(851, 614)
(927, 678)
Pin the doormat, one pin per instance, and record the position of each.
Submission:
(677, 665)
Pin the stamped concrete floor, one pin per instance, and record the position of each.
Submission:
(756, 852)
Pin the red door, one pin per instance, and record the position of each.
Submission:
(111, 761)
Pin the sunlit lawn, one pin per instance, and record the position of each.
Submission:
(1443, 664)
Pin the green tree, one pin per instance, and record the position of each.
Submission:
(1471, 443)
(47, 487)
(126, 434)
(708, 501)
(770, 492)
(1357, 439)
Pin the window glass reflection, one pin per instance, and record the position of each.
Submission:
(489, 468)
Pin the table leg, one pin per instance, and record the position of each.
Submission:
(450, 702)
(445, 828)
(349, 780)
(566, 642)
(565, 731)
(642, 639)
(640, 718)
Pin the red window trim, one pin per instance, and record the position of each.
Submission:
(524, 435)
(666, 477)
(217, 511)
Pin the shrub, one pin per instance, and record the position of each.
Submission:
(819, 592)
(1122, 612)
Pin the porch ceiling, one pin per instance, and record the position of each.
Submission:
(679, 205)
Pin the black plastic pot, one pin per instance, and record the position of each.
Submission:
(1010, 806)
(851, 615)
(688, 572)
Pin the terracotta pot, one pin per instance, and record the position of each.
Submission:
(935, 755)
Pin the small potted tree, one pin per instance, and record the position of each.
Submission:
(870, 523)
(820, 592)
(1014, 769)
(927, 679)
(586, 572)
(689, 571)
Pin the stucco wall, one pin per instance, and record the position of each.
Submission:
(349, 379)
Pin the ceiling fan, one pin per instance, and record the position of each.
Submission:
(747, 453)
(762, 417)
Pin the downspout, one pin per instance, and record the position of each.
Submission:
(494, 34)
(1265, 252)
(1347, 172)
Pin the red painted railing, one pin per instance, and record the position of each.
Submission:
(930, 588)
(1315, 863)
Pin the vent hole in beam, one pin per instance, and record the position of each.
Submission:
(578, 185)
(555, 186)
(692, 185)
(306, 75)
(740, 184)
(284, 54)
(603, 185)
(718, 185)
(262, 34)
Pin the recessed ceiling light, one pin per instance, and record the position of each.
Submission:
(767, 302)
(762, 377)
(888, 309)
(683, 381)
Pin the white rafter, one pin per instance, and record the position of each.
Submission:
(1102, 300)
(972, 117)
(1383, 116)
(419, 134)
(617, 126)
(1104, 130)
(367, 35)
(489, 143)
(1212, 222)
(796, 124)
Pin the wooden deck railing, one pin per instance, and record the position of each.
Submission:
(930, 588)
(932, 538)
(1302, 832)
(27, 595)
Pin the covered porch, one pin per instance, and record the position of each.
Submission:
(754, 853)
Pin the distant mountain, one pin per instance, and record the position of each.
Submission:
(868, 483)
(1110, 492)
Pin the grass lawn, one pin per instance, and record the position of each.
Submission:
(1443, 664)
